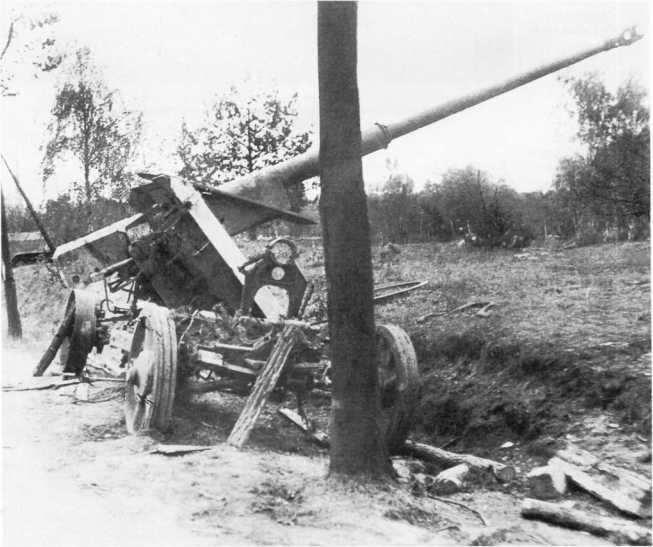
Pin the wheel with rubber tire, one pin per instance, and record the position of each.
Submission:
(151, 371)
(398, 383)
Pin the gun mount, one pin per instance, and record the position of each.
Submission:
(177, 253)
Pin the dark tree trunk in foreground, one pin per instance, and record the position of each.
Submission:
(357, 447)
(14, 328)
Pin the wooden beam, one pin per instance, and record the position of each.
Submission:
(265, 383)
(626, 531)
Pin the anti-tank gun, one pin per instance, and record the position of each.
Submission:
(196, 308)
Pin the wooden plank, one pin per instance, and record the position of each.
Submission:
(586, 460)
(615, 497)
(626, 531)
(265, 383)
(208, 359)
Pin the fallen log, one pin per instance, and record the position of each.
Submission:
(503, 472)
(589, 522)
(547, 482)
(450, 480)
(616, 498)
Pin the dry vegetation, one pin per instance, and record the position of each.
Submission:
(570, 331)
(565, 352)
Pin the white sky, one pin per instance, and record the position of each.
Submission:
(169, 59)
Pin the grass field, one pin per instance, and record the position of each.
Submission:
(569, 331)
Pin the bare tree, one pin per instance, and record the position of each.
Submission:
(357, 446)
(14, 327)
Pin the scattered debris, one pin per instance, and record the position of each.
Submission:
(381, 293)
(319, 437)
(618, 499)
(265, 383)
(547, 482)
(484, 305)
(460, 504)
(484, 311)
(589, 522)
(178, 449)
(635, 484)
(450, 480)
(503, 472)
(38, 385)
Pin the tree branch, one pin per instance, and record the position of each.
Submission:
(10, 35)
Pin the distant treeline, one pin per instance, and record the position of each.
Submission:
(467, 204)
(600, 195)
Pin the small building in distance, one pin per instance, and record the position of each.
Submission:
(27, 247)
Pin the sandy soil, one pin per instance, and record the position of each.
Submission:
(73, 477)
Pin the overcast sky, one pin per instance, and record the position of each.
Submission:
(169, 59)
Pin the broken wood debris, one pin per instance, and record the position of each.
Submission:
(628, 482)
(476, 512)
(547, 482)
(485, 305)
(450, 480)
(587, 461)
(319, 437)
(34, 386)
(485, 310)
(614, 497)
(177, 449)
(503, 472)
(263, 386)
(583, 520)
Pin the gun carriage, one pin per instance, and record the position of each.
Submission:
(199, 315)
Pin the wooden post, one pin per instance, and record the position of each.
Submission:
(263, 386)
(65, 329)
(14, 327)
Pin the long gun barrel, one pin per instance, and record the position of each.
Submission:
(266, 184)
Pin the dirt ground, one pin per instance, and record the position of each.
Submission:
(72, 476)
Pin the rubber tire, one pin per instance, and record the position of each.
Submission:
(156, 334)
(397, 418)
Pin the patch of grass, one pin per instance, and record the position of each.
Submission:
(41, 301)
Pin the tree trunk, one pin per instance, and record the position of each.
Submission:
(357, 446)
(14, 327)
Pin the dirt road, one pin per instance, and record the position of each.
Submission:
(73, 477)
